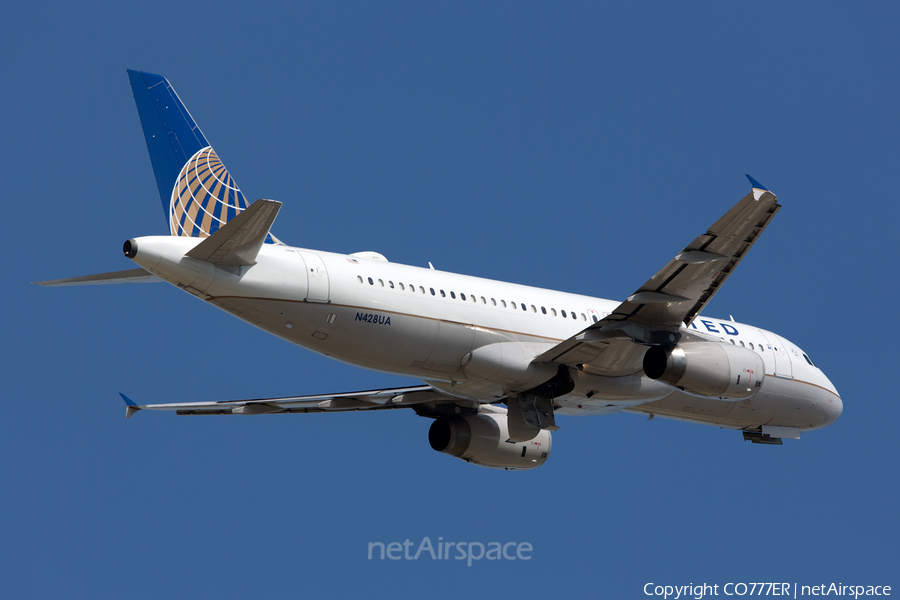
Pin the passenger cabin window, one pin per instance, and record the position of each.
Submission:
(432, 291)
(503, 302)
(525, 308)
(371, 282)
(422, 290)
(359, 278)
(452, 295)
(462, 296)
(400, 283)
(594, 317)
(381, 283)
(553, 311)
(391, 284)
(563, 313)
(443, 295)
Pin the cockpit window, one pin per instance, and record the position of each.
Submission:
(808, 360)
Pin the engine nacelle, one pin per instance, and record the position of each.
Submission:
(482, 440)
(707, 369)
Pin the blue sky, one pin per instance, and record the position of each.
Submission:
(576, 147)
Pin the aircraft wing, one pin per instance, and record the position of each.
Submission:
(654, 314)
(406, 397)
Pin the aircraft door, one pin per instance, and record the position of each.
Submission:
(778, 349)
(317, 278)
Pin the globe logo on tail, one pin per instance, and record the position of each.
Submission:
(205, 196)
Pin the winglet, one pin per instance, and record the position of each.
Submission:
(131, 407)
(756, 185)
(758, 189)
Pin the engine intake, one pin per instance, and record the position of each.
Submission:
(707, 369)
(482, 440)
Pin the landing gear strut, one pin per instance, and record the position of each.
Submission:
(531, 411)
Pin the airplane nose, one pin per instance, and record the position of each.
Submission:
(824, 406)
(834, 406)
(829, 403)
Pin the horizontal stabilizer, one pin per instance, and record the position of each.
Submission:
(236, 243)
(129, 276)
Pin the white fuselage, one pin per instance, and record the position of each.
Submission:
(432, 325)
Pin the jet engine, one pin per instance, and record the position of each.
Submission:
(707, 369)
(482, 440)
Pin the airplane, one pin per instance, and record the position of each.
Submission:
(498, 361)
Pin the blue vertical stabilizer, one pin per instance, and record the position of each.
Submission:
(197, 192)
